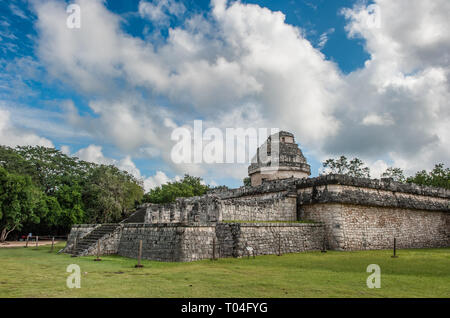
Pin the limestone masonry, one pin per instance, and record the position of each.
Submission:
(283, 211)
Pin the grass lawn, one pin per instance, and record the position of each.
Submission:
(25, 272)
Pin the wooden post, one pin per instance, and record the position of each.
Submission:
(279, 244)
(74, 248)
(26, 245)
(395, 248)
(139, 255)
(53, 244)
(98, 252)
(214, 249)
(324, 247)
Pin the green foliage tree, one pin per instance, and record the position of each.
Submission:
(395, 174)
(49, 167)
(19, 202)
(110, 194)
(68, 190)
(189, 186)
(341, 165)
(438, 177)
(247, 182)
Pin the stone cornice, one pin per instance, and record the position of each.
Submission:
(383, 184)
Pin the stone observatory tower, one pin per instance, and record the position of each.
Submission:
(278, 158)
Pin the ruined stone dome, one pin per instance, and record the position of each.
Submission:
(278, 158)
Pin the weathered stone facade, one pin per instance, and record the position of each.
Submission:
(347, 214)
(268, 238)
(355, 227)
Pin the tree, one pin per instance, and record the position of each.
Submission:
(48, 167)
(68, 190)
(353, 168)
(110, 194)
(18, 202)
(395, 174)
(438, 177)
(187, 187)
(247, 182)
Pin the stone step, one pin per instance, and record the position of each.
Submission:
(92, 238)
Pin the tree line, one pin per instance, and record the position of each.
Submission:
(45, 191)
(438, 177)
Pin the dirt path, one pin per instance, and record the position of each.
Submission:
(23, 243)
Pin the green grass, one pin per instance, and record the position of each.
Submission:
(25, 272)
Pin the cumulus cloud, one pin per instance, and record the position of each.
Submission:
(157, 180)
(399, 102)
(94, 153)
(11, 135)
(395, 107)
(160, 11)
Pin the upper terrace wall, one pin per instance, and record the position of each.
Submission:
(368, 214)
(267, 202)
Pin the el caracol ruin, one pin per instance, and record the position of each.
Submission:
(283, 211)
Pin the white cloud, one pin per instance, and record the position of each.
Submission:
(17, 11)
(94, 154)
(11, 135)
(65, 150)
(160, 11)
(403, 91)
(128, 165)
(396, 106)
(157, 180)
(323, 39)
(377, 168)
(375, 119)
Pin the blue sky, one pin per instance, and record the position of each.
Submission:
(353, 84)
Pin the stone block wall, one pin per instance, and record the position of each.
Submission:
(186, 210)
(278, 207)
(182, 243)
(268, 238)
(272, 206)
(160, 242)
(355, 227)
(367, 214)
(197, 243)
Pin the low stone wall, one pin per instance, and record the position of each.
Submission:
(160, 242)
(197, 243)
(357, 227)
(277, 207)
(78, 231)
(182, 243)
(271, 201)
(268, 238)
(187, 210)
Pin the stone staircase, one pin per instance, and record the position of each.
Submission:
(90, 241)
(136, 217)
